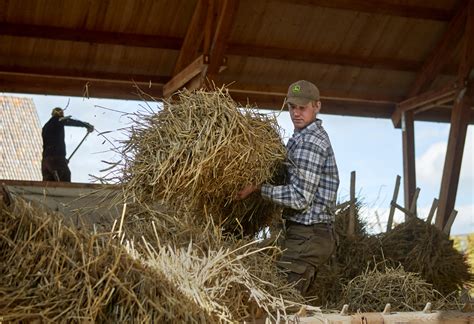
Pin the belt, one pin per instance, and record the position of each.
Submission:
(327, 225)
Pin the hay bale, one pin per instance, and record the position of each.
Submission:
(198, 152)
(424, 249)
(404, 291)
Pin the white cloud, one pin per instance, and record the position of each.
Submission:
(429, 166)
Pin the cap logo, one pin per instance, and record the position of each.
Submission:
(296, 89)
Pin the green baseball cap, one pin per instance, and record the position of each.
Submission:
(301, 92)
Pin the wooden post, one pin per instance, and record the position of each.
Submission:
(460, 116)
(409, 173)
(413, 202)
(392, 207)
(449, 223)
(429, 219)
(351, 227)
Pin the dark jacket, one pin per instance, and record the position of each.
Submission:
(53, 135)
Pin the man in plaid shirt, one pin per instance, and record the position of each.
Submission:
(310, 194)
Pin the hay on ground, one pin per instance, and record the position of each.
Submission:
(404, 291)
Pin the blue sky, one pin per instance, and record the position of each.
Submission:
(372, 147)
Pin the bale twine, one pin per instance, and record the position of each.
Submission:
(404, 291)
(198, 152)
(424, 249)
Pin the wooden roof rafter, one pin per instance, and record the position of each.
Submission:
(380, 7)
(439, 57)
(213, 42)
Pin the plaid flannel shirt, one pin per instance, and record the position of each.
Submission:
(310, 194)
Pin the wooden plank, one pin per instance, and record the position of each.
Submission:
(351, 227)
(460, 117)
(315, 56)
(450, 221)
(380, 7)
(194, 36)
(186, 75)
(408, 145)
(38, 84)
(414, 201)
(429, 219)
(221, 36)
(140, 79)
(402, 209)
(326, 93)
(394, 200)
(90, 36)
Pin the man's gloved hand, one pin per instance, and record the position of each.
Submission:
(89, 127)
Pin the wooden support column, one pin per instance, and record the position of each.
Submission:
(460, 116)
(409, 172)
(435, 62)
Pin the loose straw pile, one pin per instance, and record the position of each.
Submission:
(198, 152)
(52, 273)
(404, 291)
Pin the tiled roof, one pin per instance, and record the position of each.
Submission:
(20, 139)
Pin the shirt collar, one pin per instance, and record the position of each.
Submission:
(311, 127)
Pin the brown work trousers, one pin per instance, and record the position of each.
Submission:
(305, 249)
(55, 168)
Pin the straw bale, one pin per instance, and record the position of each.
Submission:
(424, 249)
(404, 291)
(197, 152)
(50, 272)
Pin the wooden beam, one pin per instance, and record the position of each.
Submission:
(380, 7)
(76, 87)
(225, 22)
(460, 117)
(194, 36)
(90, 36)
(197, 67)
(408, 146)
(81, 75)
(248, 50)
(431, 98)
(322, 57)
(439, 57)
